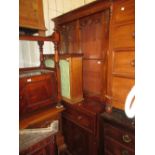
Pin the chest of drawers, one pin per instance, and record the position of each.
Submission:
(121, 59)
(118, 134)
(80, 126)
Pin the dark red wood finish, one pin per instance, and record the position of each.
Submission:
(117, 134)
(37, 89)
(80, 124)
(44, 147)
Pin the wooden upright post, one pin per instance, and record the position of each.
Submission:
(56, 59)
(41, 43)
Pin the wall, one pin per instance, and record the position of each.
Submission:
(28, 51)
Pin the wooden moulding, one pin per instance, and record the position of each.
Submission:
(83, 11)
(73, 101)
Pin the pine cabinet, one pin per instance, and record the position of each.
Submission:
(71, 77)
(121, 60)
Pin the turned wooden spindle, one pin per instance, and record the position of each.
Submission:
(57, 67)
(41, 43)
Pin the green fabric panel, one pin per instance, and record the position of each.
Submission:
(65, 78)
(49, 63)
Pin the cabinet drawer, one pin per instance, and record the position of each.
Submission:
(116, 148)
(124, 63)
(123, 36)
(124, 10)
(124, 137)
(81, 119)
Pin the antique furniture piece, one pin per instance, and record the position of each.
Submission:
(31, 18)
(80, 124)
(70, 74)
(86, 30)
(117, 134)
(121, 59)
(37, 143)
(103, 32)
(71, 77)
(40, 87)
(39, 93)
(37, 89)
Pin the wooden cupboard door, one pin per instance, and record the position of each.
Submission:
(120, 89)
(37, 92)
(124, 10)
(71, 79)
(92, 77)
(93, 31)
(124, 63)
(76, 138)
(124, 36)
(31, 14)
(69, 38)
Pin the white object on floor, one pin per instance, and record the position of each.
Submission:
(53, 128)
(130, 103)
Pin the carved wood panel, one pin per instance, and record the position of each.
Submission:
(69, 38)
(93, 30)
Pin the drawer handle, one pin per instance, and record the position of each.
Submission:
(132, 63)
(126, 138)
(122, 8)
(79, 117)
(125, 152)
(98, 62)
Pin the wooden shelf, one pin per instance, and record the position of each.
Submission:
(38, 117)
(53, 38)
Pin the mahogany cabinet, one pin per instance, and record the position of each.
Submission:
(86, 30)
(80, 124)
(121, 59)
(117, 134)
(37, 89)
(31, 15)
(44, 146)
